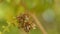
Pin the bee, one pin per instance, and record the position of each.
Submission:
(25, 22)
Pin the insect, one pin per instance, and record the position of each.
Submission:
(25, 22)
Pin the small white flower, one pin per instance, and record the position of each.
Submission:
(27, 18)
(34, 27)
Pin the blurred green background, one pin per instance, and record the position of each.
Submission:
(45, 10)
